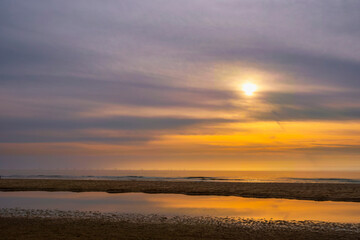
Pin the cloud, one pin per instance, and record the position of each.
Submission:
(308, 106)
(52, 97)
(309, 114)
(67, 130)
(70, 136)
(62, 62)
(301, 66)
(128, 123)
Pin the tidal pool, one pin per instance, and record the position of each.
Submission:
(177, 204)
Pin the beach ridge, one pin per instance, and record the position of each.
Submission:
(301, 191)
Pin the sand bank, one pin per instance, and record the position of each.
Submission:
(301, 191)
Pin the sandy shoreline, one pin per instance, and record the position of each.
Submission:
(301, 191)
(55, 224)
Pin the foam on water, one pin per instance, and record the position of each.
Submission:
(230, 176)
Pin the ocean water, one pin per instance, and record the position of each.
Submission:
(179, 205)
(229, 176)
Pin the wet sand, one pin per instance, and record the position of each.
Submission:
(301, 191)
(55, 224)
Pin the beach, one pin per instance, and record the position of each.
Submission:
(22, 223)
(302, 191)
(235, 119)
(53, 224)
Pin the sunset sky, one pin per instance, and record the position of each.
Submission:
(159, 84)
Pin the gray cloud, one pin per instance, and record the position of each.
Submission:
(35, 137)
(126, 89)
(62, 58)
(66, 130)
(301, 38)
(309, 113)
(303, 67)
(310, 106)
(126, 123)
(315, 98)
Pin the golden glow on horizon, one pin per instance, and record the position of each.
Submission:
(249, 88)
(264, 145)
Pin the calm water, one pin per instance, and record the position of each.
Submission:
(235, 176)
(176, 204)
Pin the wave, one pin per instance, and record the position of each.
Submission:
(131, 177)
(179, 178)
(337, 180)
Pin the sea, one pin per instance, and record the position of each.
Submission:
(187, 175)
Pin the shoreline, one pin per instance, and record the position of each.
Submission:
(55, 224)
(346, 192)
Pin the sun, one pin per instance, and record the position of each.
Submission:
(249, 88)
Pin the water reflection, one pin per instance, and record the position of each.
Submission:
(176, 204)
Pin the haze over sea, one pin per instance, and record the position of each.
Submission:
(188, 175)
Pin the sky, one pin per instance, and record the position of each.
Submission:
(157, 84)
